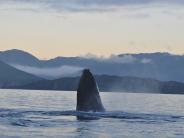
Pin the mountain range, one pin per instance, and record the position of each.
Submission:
(155, 72)
(160, 66)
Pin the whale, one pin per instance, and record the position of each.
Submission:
(88, 97)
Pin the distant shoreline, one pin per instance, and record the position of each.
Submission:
(108, 83)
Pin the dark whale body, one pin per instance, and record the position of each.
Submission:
(88, 98)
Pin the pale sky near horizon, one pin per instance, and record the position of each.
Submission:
(50, 28)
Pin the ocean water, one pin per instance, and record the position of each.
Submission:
(51, 114)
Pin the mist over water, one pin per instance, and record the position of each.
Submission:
(52, 73)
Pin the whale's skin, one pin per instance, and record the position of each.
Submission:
(88, 98)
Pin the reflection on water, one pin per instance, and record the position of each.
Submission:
(45, 114)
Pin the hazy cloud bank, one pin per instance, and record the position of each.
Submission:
(53, 73)
(117, 59)
(71, 71)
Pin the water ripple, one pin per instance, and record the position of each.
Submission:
(38, 118)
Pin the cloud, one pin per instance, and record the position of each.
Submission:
(92, 56)
(88, 5)
(52, 73)
(128, 59)
(112, 59)
(125, 59)
(146, 61)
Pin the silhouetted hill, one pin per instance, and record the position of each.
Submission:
(111, 84)
(10, 76)
(15, 56)
(160, 66)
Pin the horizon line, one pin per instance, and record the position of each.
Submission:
(91, 55)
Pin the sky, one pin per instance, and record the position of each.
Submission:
(50, 28)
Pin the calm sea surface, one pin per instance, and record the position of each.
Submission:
(51, 114)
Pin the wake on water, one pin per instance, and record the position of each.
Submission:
(26, 118)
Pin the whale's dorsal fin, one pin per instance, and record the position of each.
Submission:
(88, 98)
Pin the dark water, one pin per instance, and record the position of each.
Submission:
(45, 114)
